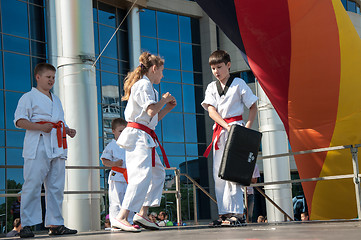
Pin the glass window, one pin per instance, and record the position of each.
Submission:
(38, 49)
(106, 14)
(189, 98)
(197, 61)
(167, 26)
(2, 123)
(174, 149)
(190, 128)
(2, 178)
(176, 91)
(149, 44)
(16, 44)
(173, 125)
(12, 138)
(15, 22)
(2, 150)
(187, 77)
(2, 138)
(15, 174)
(170, 52)
(187, 57)
(185, 29)
(176, 162)
(110, 65)
(147, 23)
(15, 79)
(344, 3)
(105, 34)
(123, 53)
(192, 150)
(351, 6)
(158, 131)
(11, 100)
(38, 2)
(37, 23)
(100, 122)
(171, 76)
(14, 156)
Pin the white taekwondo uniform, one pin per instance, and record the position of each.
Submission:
(145, 183)
(44, 161)
(116, 180)
(229, 194)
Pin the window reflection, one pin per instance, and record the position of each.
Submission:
(18, 27)
(14, 79)
(2, 150)
(192, 149)
(15, 174)
(106, 15)
(11, 101)
(150, 45)
(171, 76)
(12, 138)
(176, 91)
(14, 156)
(2, 178)
(187, 57)
(190, 128)
(173, 125)
(170, 52)
(147, 26)
(105, 34)
(174, 149)
(16, 44)
(167, 26)
(189, 98)
(2, 125)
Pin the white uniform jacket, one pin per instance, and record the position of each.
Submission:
(35, 107)
(142, 95)
(114, 153)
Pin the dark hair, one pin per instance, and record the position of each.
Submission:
(17, 222)
(41, 67)
(305, 213)
(219, 56)
(118, 122)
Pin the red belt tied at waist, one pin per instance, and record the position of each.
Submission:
(60, 136)
(217, 132)
(121, 170)
(155, 138)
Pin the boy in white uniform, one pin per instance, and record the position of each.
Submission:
(145, 170)
(114, 156)
(225, 99)
(45, 150)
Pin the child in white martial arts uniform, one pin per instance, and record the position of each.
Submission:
(114, 156)
(224, 100)
(145, 171)
(45, 150)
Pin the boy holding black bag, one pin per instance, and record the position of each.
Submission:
(225, 99)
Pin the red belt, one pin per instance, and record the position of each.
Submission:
(217, 132)
(122, 171)
(155, 138)
(61, 136)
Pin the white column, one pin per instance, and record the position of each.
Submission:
(134, 37)
(77, 90)
(274, 141)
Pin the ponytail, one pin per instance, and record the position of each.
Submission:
(146, 61)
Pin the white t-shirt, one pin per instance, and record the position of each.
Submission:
(114, 153)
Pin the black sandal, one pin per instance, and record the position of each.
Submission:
(233, 221)
(218, 222)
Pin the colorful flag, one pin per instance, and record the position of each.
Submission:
(306, 56)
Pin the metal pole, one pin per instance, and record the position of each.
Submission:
(195, 205)
(178, 197)
(356, 179)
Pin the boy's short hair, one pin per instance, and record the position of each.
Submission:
(41, 67)
(219, 56)
(17, 222)
(118, 122)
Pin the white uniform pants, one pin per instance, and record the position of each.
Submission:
(116, 195)
(145, 183)
(37, 171)
(229, 194)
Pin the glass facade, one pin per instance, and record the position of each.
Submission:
(176, 38)
(351, 6)
(23, 44)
